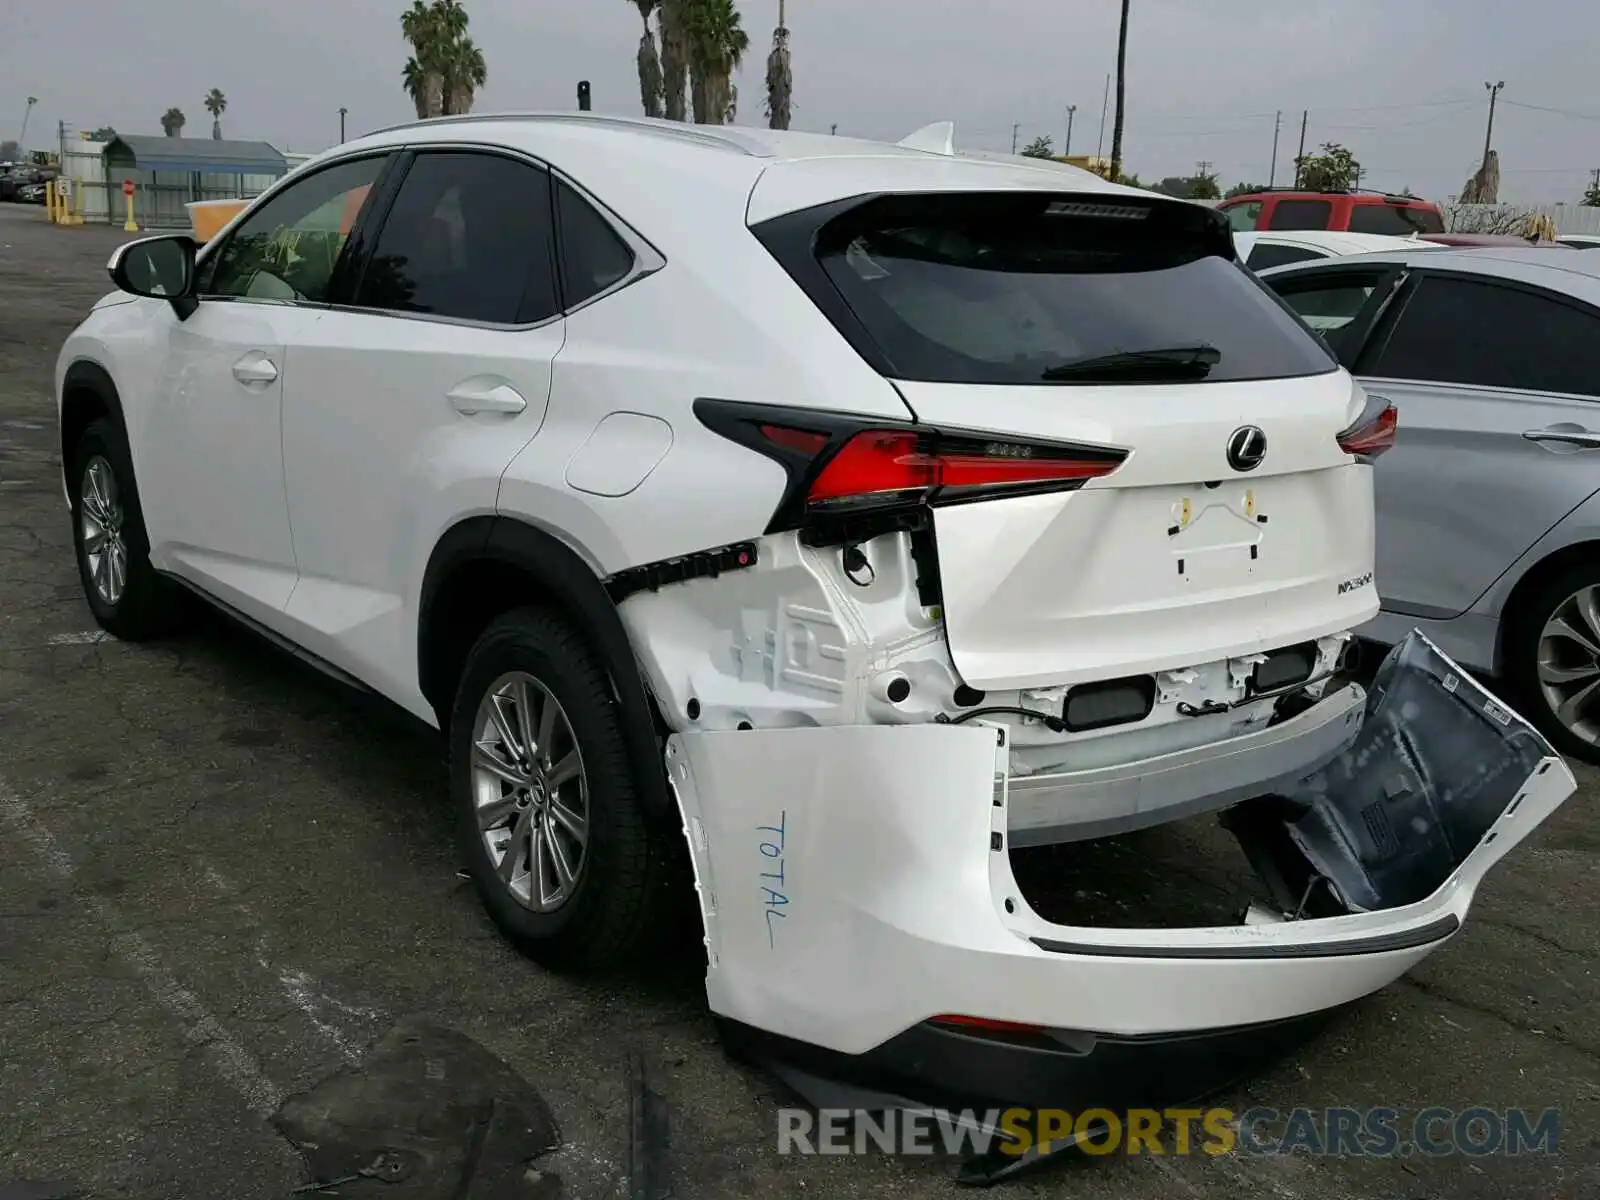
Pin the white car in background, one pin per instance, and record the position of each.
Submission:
(1258, 251)
(838, 515)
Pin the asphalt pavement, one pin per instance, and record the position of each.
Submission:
(225, 881)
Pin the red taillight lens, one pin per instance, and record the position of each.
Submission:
(961, 1021)
(884, 463)
(1373, 433)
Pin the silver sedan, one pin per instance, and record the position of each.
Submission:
(1488, 534)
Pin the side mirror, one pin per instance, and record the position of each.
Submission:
(160, 268)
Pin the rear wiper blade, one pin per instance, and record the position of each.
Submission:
(1196, 360)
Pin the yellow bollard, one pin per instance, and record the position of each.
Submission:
(128, 226)
(50, 201)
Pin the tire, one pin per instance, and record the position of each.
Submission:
(1525, 644)
(611, 908)
(144, 605)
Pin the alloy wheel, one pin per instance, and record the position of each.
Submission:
(100, 527)
(1569, 664)
(531, 792)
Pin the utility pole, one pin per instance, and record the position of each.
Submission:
(1067, 148)
(1488, 134)
(1272, 171)
(1014, 130)
(1305, 115)
(1105, 102)
(342, 113)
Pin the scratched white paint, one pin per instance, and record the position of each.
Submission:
(89, 637)
(299, 987)
(228, 1058)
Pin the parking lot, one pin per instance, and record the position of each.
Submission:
(225, 878)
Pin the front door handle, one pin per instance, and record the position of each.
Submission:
(1574, 435)
(484, 396)
(255, 367)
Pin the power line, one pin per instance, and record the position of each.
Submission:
(1560, 112)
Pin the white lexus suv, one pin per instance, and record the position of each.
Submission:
(844, 513)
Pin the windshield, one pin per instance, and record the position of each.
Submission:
(1017, 288)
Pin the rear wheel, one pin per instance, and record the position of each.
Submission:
(1552, 660)
(127, 596)
(555, 838)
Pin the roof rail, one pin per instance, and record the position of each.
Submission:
(728, 139)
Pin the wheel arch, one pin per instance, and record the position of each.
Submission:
(87, 394)
(1529, 585)
(487, 565)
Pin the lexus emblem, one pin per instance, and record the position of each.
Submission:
(1247, 446)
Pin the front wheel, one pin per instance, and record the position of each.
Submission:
(556, 841)
(1552, 661)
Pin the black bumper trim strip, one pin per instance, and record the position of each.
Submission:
(1381, 943)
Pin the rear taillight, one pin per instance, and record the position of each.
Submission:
(842, 470)
(1373, 431)
(882, 464)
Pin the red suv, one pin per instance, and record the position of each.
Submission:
(1356, 212)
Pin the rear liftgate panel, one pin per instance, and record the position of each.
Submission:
(855, 880)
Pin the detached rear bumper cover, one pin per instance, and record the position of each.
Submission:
(855, 881)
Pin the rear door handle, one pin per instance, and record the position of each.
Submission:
(1581, 438)
(483, 396)
(255, 367)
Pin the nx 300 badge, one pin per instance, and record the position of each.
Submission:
(1247, 446)
(1352, 585)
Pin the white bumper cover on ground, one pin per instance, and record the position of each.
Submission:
(855, 881)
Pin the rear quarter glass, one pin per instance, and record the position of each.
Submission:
(982, 288)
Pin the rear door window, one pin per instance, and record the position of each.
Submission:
(1396, 220)
(469, 238)
(1469, 331)
(1300, 214)
(1267, 254)
(1331, 303)
(1031, 287)
(1243, 217)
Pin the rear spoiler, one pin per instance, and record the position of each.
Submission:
(938, 138)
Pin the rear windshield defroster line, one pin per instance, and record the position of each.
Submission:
(1014, 288)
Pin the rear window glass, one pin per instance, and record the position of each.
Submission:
(1300, 214)
(1398, 220)
(1243, 217)
(1270, 254)
(1030, 288)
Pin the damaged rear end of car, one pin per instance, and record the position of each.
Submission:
(1100, 579)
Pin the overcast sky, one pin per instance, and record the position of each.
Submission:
(1401, 82)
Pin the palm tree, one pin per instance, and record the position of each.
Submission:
(717, 42)
(464, 73)
(445, 69)
(422, 74)
(172, 122)
(417, 84)
(780, 76)
(216, 105)
(1116, 122)
(674, 58)
(650, 82)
